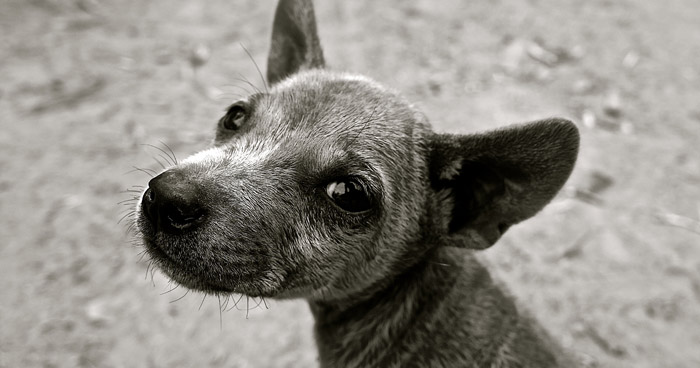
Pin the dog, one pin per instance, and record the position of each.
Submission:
(330, 187)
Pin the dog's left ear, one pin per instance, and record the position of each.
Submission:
(493, 180)
(295, 45)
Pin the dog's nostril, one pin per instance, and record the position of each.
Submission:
(172, 203)
(149, 196)
(148, 206)
(182, 219)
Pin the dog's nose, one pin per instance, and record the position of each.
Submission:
(172, 203)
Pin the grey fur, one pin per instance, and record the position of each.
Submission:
(396, 285)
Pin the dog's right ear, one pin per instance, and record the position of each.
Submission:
(295, 45)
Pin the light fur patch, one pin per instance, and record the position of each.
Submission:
(253, 154)
(444, 197)
(310, 242)
(207, 157)
(504, 356)
(452, 170)
(360, 78)
(303, 77)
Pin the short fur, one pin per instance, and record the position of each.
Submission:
(395, 284)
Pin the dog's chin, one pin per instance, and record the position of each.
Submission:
(196, 284)
(253, 288)
(184, 275)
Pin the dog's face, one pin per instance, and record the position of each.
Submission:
(329, 184)
(307, 188)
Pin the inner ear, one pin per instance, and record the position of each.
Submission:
(480, 185)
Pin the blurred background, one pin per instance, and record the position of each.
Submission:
(611, 267)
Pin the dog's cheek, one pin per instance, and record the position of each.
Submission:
(299, 257)
(278, 238)
(347, 248)
(313, 260)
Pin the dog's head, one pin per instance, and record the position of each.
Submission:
(329, 183)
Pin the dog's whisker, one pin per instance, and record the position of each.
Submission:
(257, 303)
(233, 304)
(126, 201)
(131, 203)
(167, 159)
(180, 298)
(142, 254)
(224, 306)
(246, 92)
(159, 162)
(202, 303)
(135, 191)
(262, 77)
(131, 228)
(240, 296)
(148, 268)
(221, 318)
(364, 126)
(441, 264)
(153, 273)
(247, 82)
(172, 154)
(128, 209)
(130, 213)
(151, 173)
(171, 290)
(170, 160)
(232, 96)
(228, 300)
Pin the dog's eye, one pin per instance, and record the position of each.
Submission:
(349, 195)
(235, 117)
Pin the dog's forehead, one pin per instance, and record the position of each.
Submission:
(323, 80)
(341, 111)
(328, 102)
(336, 107)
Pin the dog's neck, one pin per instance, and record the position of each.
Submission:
(363, 332)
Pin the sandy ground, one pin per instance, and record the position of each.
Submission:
(611, 267)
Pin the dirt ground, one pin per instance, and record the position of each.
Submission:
(611, 267)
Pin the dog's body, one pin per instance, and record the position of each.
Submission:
(443, 312)
(332, 188)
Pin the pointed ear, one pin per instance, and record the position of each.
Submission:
(295, 45)
(488, 182)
